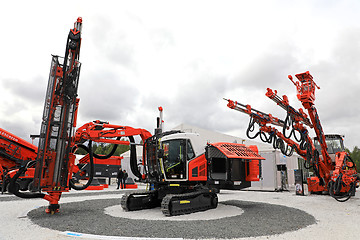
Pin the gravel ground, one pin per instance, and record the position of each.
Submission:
(257, 220)
(266, 215)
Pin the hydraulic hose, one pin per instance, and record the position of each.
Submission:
(110, 154)
(289, 122)
(13, 189)
(92, 168)
(133, 159)
(308, 156)
(303, 144)
(340, 198)
(278, 143)
(3, 182)
(338, 184)
(251, 128)
(285, 149)
(315, 167)
(351, 160)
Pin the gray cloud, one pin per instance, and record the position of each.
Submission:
(114, 53)
(106, 96)
(102, 34)
(270, 69)
(21, 128)
(32, 90)
(196, 103)
(338, 78)
(161, 38)
(26, 96)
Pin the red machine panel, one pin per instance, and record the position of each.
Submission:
(236, 150)
(198, 169)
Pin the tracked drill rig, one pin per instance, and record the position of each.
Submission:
(182, 170)
(335, 171)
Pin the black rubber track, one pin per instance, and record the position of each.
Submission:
(258, 219)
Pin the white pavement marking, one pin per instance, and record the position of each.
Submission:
(92, 236)
(25, 213)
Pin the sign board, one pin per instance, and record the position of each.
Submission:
(299, 184)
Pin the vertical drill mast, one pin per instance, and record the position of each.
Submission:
(55, 143)
(306, 94)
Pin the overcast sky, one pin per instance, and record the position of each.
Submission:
(184, 56)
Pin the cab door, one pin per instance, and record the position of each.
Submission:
(174, 158)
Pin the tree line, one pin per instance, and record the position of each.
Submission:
(355, 156)
(104, 149)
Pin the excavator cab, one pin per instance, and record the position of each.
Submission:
(167, 156)
(334, 142)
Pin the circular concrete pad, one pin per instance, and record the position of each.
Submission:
(221, 211)
(257, 219)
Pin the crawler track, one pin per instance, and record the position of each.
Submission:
(140, 200)
(178, 204)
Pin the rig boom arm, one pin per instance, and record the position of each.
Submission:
(338, 176)
(104, 132)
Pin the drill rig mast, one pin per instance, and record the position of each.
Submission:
(335, 172)
(55, 160)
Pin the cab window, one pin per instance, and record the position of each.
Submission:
(174, 158)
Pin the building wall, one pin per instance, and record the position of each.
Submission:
(125, 162)
(271, 177)
(292, 164)
(212, 137)
(268, 179)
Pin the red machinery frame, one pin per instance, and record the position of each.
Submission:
(105, 132)
(14, 152)
(338, 177)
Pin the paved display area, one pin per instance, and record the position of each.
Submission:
(258, 215)
(258, 219)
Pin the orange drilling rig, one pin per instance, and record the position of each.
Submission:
(15, 152)
(335, 171)
(184, 171)
(54, 163)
